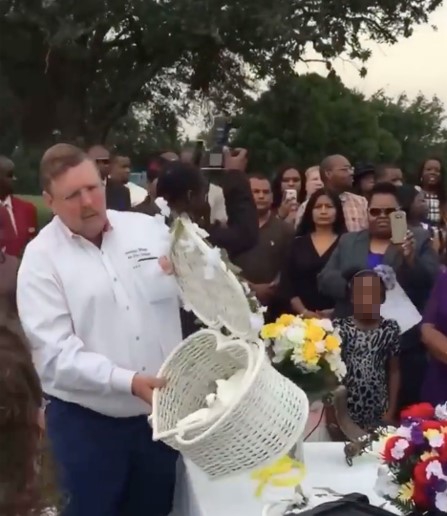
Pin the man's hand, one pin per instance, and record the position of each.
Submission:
(235, 159)
(143, 386)
(166, 265)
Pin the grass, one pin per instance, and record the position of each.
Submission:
(43, 213)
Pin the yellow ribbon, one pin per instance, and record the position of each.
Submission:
(283, 466)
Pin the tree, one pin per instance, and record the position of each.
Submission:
(76, 67)
(304, 118)
(418, 126)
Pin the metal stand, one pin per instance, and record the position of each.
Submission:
(299, 501)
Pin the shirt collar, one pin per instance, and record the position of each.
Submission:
(7, 202)
(108, 227)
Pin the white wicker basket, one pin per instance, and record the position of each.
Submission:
(262, 424)
(267, 417)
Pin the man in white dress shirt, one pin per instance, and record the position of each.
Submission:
(100, 316)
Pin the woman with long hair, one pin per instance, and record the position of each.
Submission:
(317, 236)
(288, 193)
(23, 470)
(432, 178)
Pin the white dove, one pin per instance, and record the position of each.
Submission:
(216, 403)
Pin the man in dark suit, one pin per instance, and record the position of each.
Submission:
(117, 195)
(19, 217)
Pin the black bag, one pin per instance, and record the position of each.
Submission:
(354, 504)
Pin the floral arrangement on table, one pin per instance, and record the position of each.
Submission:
(307, 351)
(413, 476)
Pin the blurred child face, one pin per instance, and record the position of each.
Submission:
(366, 297)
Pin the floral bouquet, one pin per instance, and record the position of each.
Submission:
(307, 351)
(414, 472)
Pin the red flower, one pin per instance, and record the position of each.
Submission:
(420, 498)
(389, 445)
(420, 472)
(431, 425)
(419, 411)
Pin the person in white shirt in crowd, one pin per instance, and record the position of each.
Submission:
(101, 316)
(120, 168)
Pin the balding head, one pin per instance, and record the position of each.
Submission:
(6, 165)
(337, 172)
(57, 160)
(101, 156)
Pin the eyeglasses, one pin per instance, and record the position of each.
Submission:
(376, 212)
(102, 161)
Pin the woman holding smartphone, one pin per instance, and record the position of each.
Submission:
(288, 193)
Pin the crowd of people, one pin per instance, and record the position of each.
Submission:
(88, 315)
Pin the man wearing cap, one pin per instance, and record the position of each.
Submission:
(19, 218)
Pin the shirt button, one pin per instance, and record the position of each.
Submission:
(138, 338)
(143, 369)
(127, 308)
(114, 279)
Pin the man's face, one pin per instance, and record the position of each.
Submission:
(120, 169)
(380, 208)
(78, 198)
(262, 194)
(394, 176)
(101, 156)
(340, 174)
(6, 178)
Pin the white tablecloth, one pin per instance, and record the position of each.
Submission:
(196, 495)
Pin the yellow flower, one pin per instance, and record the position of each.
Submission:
(315, 333)
(285, 320)
(406, 492)
(332, 343)
(271, 331)
(310, 354)
(429, 455)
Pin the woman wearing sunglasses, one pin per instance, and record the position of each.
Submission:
(414, 262)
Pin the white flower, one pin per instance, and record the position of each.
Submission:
(295, 334)
(385, 486)
(436, 440)
(320, 346)
(441, 412)
(434, 469)
(441, 501)
(325, 324)
(398, 450)
(404, 431)
(336, 364)
(281, 348)
(163, 206)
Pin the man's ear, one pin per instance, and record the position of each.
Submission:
(47, 199)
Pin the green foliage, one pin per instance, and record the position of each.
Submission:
(76, 67)
(304, 118)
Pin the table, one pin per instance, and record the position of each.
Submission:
(196, 495)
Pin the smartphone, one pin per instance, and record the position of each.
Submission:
(399, 227)
(220, 135)
(291, 195)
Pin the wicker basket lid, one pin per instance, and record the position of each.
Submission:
(208, 286)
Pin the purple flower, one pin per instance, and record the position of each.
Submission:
(417, 437)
